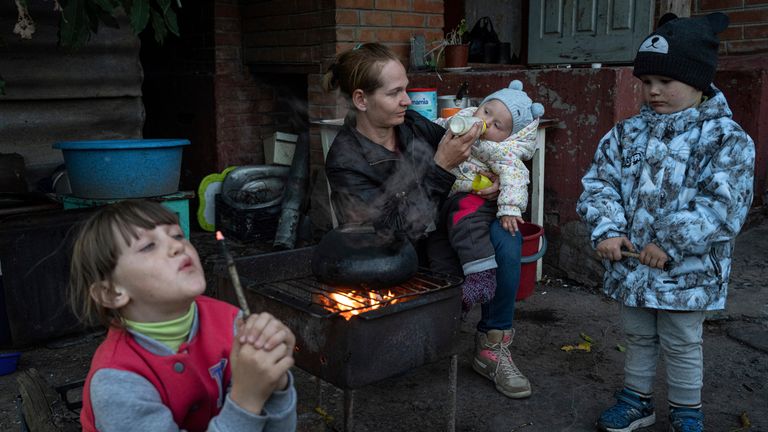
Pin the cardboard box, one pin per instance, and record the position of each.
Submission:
(279, 148)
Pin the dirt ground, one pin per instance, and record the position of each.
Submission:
(569, 388)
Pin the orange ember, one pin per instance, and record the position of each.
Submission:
(351, 303)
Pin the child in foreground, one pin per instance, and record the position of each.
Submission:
(172, 359)
(510, 120)
(674, 182)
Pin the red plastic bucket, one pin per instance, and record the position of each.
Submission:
(530, 255)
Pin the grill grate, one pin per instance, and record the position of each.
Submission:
(321, 299)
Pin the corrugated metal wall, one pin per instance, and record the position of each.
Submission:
(53, 95)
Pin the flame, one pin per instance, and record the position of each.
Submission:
(352, 303)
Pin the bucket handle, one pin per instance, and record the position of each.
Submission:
(535, 257)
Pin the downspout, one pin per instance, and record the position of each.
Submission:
(293, 196)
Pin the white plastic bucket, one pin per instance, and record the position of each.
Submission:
(424, 101)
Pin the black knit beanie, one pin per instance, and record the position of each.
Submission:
(684, 49)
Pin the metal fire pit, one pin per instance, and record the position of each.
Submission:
(420, 328)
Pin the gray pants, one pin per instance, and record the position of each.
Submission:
(678, 333)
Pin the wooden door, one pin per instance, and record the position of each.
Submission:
(587, 31)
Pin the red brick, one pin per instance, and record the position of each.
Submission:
(354, 4)
(228, 11)
(226, 25)
(386, 35)
(347, 17)
(408, 20)
(375, 18)
(756, 32)
(732, 33)
(434, 6)
(304, 21)
(228, 39)
(436, 21)
(710, 5)
(227, 53)
(297, 54)
(751, 16)
(393, 5)
(747, 47)
(346, 34)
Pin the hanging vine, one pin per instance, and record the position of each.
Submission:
(80, 19)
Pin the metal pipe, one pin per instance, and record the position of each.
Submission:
(293, 197)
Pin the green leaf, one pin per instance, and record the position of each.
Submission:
(586, 337)
(139, 15)
(164, 5)
(620, 347)
(105, 5)
(74, 31)
(158, 25)
(172, 22)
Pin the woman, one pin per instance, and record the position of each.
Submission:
(388, 166)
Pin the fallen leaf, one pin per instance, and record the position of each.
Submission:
(586, 337)
(621, 348)
(744, 418)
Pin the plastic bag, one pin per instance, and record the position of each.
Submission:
(481, 34)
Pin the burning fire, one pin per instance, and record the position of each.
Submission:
(354, 303)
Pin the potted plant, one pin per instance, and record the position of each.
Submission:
(455, 47)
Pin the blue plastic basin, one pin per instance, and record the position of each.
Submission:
(123, 168)
(9, 362)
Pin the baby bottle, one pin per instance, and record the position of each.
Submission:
(460, 125)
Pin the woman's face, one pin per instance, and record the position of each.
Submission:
(386, 106)
(666, 95)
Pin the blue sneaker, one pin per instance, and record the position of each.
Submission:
(631, 412)
(686, 420)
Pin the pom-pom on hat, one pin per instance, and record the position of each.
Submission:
(518, 103)
(684, 49)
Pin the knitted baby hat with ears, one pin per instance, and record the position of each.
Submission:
(518, 103)
(684, 49)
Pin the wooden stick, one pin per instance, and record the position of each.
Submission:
(628, 254)
(233, 275)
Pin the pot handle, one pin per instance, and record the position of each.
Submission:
(535, 257)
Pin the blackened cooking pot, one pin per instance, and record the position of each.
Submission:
(358, 255)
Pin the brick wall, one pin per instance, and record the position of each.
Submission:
(241, 101)
(748, 31)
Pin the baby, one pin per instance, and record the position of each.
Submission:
(510, 119)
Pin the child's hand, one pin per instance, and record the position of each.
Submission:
(491, 192)
(509, 223)
(610, 248)
(265, 331)
(257, 373)
(653, 256)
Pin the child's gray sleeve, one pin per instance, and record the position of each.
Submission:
(600, 204)
(124, 400)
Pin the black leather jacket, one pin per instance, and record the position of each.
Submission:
(401, 190)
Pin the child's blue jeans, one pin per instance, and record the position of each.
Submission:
(679, 335)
